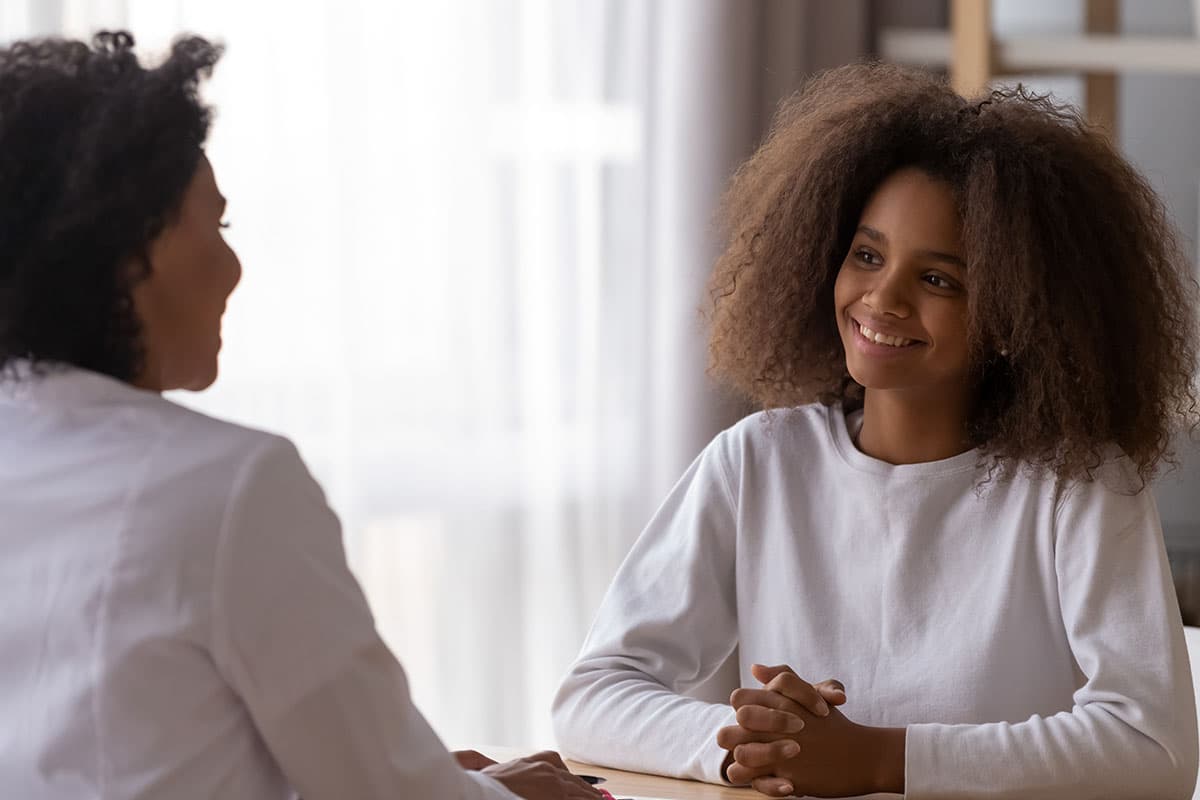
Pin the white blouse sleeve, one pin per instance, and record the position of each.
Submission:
(295, 639)
(667, 623)
(1132, 730)
(360, 736)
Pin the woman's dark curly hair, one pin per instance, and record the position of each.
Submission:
(96, 152)
(1073, 267)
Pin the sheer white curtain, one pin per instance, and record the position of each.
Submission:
(475, 236)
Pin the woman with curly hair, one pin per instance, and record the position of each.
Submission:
(178, 617)
(973, 335)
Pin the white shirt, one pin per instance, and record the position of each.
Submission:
(1025, 632)
(177, 619)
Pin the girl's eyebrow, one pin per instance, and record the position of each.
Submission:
(935, 255)
(873, 234)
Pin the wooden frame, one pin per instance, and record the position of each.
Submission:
(975, 55)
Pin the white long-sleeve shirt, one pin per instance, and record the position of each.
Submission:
(177, 619)
(1026, 633)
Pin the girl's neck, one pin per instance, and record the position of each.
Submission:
(906, 428)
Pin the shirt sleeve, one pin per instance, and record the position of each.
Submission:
(360, 736)
(1132, 730)
(295, 639)
(666, 624)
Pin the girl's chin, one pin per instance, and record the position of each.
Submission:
(885, 378)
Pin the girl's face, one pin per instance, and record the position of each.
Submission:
(901, 293)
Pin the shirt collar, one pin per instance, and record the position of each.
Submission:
(60, 384)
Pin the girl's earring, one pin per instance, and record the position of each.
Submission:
(1004, 352)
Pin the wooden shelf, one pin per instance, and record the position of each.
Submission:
(916, 46)
(1096, 53)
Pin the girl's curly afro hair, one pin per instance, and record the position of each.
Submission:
(96, 152)
(1074, 270)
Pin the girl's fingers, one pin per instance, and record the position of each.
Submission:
(765, 674)
(764, 697)
(733, 735)
(765, 754)
(784, 680)
(740, 775)
(773, 787)
(768, 720)
(800, 690)
(832, 691)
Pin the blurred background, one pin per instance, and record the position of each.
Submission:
(475, 237)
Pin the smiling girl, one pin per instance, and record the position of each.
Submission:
(972, 334)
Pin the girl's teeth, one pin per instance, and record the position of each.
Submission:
(879, 338)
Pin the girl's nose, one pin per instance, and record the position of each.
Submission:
(886, 295)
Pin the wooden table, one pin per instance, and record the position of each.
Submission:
(635, 784)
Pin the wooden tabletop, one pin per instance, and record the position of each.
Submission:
(634, 784)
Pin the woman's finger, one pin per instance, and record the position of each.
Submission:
(768, 720)
(773, 787)
(576, 787)
(548, 756)
(765, 754)
(584, 792)
(472, 759)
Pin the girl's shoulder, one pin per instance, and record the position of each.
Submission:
(807, 428)
(1113, 473)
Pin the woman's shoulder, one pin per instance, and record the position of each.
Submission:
(203, 438)
(207, 471)
(134, 424)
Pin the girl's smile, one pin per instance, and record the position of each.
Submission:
(875, 339)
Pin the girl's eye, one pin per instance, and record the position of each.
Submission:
(867, 257)
(224, 225)
(938, 282)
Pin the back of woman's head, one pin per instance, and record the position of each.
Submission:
(1082, 321)
(96, 152)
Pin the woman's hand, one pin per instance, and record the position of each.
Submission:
(472, 759)
(542, 776)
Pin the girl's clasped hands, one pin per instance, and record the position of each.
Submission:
(791, 739)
